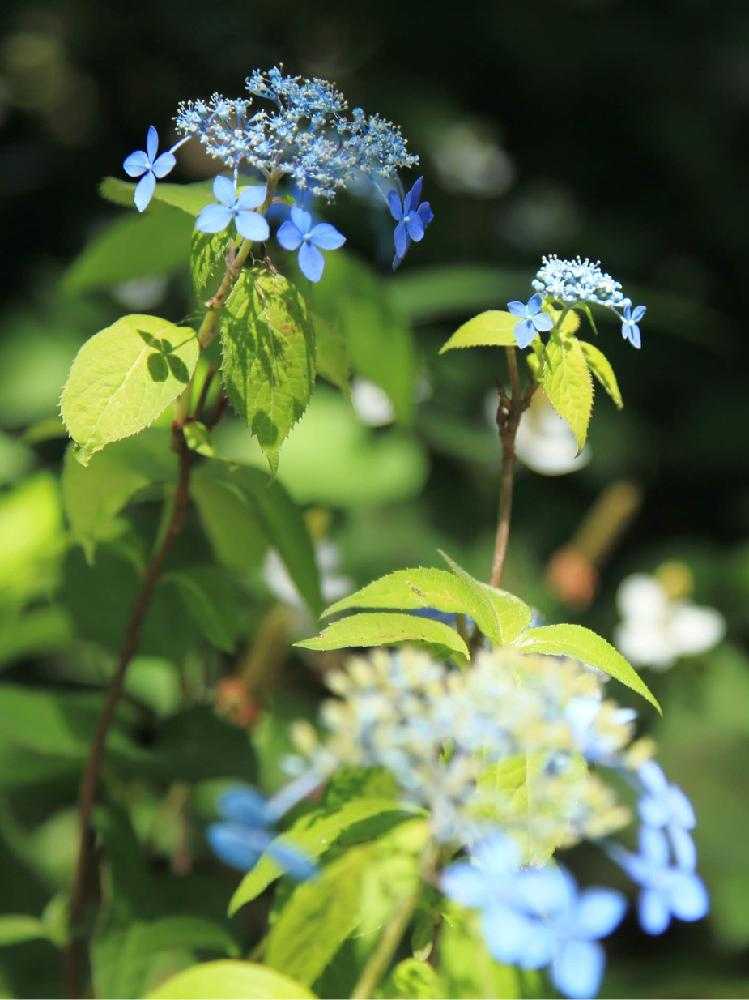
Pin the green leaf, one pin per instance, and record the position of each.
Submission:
(465, 964)
(230, 980)
(582, 644)
(198, 438)
(413, 979)
(313, 834)
(137, 246)
(16, 928)
(189, 198)
(385, 629)
(94, 495)
(333, 360)
(213, 601)
(237, 502)
(124, 377)
(500, 616)
(268, 366)
(601, 367)
(494, 328)
(566, 380)
(208, 262)
(31, 538)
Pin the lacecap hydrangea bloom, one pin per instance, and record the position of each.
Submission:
(564, 284)
(510, 760)
(292, 131)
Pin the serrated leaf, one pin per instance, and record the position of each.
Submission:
(582, 644)
(600, 365)
(268, 347)
(313, 834)
(385, 629)
(235, 503)
(494, 328)
(208, 262)
(230, 980)
(94, 495)
(500, 616)
(189, 198)
(124, 377)
(138, 246)
(568, 384)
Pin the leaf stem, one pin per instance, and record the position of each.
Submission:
(378, 962)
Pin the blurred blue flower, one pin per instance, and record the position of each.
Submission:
(666, 890)
(532, 319)
(598, 747)
(146, 165)
(536, 917)
(665, 807)
(231, 204)
(630, 323)
(246, 831)
(299, 233)
(411, 217)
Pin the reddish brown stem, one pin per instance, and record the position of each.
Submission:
(76, 951)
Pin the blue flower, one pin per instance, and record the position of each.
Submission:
(246, 831)
(630, 320)
(411, 217)
(146, 165)
(299, 233)
(665, 807)
(536, 918)
(666, 890)
(238, 206)
(533, 319)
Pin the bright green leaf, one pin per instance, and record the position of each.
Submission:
(494, 328)
(230, 980)
(313, 834)
(189, 198)
(385, 629)
(414, 979)
(16, 928)
(499, 615)
(465, 963)
(409, 589)
(94, 495)
(268, 347)
(601, 367)
(31, 537)
(582, 644)
(124, 377)
(566, 379)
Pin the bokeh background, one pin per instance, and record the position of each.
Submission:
(612, 128)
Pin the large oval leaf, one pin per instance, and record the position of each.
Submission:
(228, 979)
(124, 377)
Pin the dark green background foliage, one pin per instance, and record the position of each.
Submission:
(613, 128)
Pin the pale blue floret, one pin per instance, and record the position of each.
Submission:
(665, 807)
(630, 323)
(238, 206)
(148, 166)
(536, 917)
(246, 830)
(411, 216)
(532, 319)
(298, 233)
(666, 890)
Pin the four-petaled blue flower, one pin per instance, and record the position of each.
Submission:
(666, 890)
(665, 807)
(535, 918)
(299, 233)
(246, 831)
(630, 320)
(146, 165)
(411, 217)
(533, 319)
(237, 205)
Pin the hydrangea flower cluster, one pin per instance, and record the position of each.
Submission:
(297, 131)
(508, 760)
(570, 283)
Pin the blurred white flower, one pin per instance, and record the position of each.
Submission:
(469, 160)
(140, 293)
(657, 629)
(544, 442)
(371, 403)
(281, 585)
